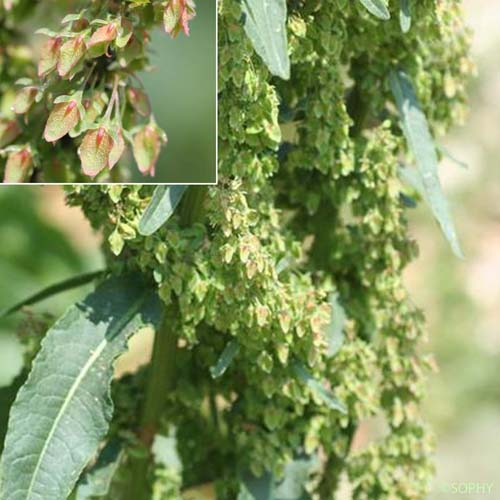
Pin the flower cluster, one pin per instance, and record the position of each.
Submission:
(84, 95)
(308, 175)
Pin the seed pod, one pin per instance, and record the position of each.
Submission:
(139, 101)
(19, 166)
(9, 130)
(177, 15)
(95, 151)
(100, 40)
(62, 119)
(79, 25)
(49, 55)
(70, 55)
(147, 146)
(24, 99)
(117, 150)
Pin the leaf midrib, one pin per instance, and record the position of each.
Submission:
(86, 368)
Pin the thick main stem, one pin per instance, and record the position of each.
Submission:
(161, 381)
(161, 377)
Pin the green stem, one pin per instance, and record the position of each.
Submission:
(161, 378)
(161, 381)
(191, 209)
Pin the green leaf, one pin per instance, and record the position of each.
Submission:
(377, 8)
(7, 397)
(295, 477)
(257, 488)
(420, 141)
(405, 16)
(291, 487)
(165, 451)
(63, 411)
(51, 290)
(97, 481)
(412, 177)
(335, 330)
(285, 263)
(265, 25)
(318, 388)
(228, 354)
(161, 207)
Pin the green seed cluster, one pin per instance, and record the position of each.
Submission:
(309, 203)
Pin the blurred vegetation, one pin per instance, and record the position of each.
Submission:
(33, 254)
(461, 298)
(183, 93)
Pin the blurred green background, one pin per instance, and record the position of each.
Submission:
(183, 93)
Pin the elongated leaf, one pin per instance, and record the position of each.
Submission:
(405, 16)
(257, 488)
(97, 480)
(378, 8)
(335, 330)
(265, 25)
(420, 141)
(318, 388)
(228, 354)
(63, 411)
(51, 290)
(161, 207)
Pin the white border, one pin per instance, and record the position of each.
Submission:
(157, 183)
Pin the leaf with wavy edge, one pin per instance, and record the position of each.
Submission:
(97, 481)
(63, 410)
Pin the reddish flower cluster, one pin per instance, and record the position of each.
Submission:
(98, 57)
(177, 15)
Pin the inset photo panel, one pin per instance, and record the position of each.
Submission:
(116, 92)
